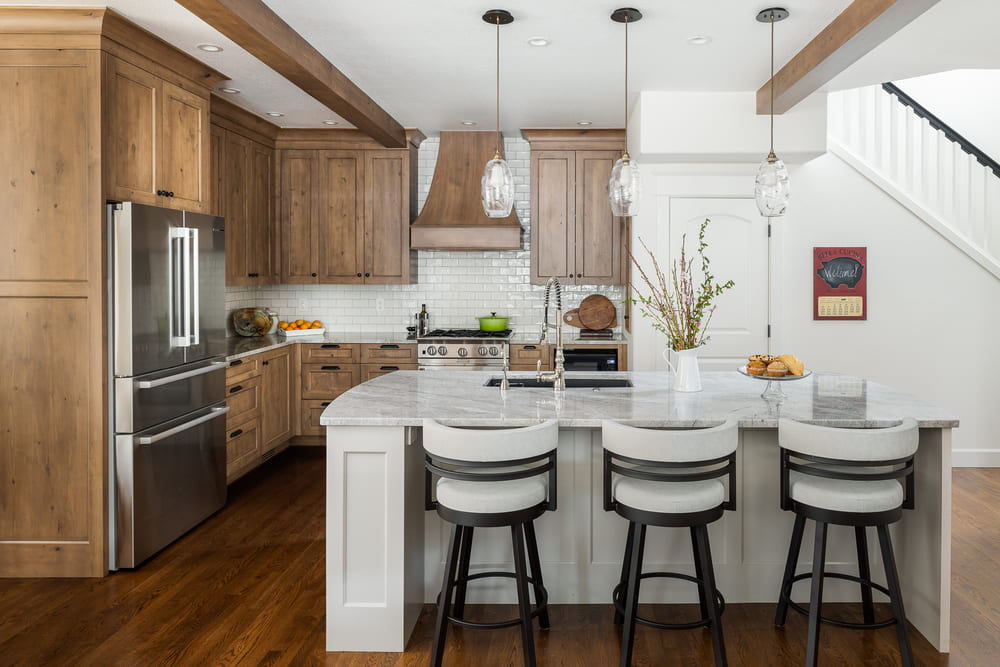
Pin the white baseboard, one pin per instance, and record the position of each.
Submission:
(975, 458)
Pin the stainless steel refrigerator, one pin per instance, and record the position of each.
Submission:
(167, 456)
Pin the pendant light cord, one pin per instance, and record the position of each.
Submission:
(497, 155)
(625, 105)
(772, 86)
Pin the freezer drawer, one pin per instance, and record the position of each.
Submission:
(169, 479)
(146, 400)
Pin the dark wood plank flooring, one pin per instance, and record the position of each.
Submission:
(246, 587)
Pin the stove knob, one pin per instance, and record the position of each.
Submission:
(462, 352)
(482, 351)
(431, 350)
(442, 350)
(494, 351)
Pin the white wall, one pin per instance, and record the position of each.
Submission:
(456, 286)
(932, 322)
(967, 100)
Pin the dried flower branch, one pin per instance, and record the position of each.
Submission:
(680, 309)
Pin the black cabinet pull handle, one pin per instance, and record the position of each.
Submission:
(325, 403)
(314, 275)
(330, 346)
(235, 433)
(389, 346)
(238, 362)
(330, 368)
(530, 347)
(389, 368)
(170, 194)
(264, 362)
(235, 389)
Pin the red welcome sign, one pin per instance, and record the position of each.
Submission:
(840, 284)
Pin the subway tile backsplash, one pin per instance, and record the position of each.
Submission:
(457, 286)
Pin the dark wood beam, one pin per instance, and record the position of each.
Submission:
(860, 28)
(252, 25)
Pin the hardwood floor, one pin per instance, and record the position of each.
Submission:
(246, 587)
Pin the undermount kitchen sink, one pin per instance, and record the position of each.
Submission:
(571, 383)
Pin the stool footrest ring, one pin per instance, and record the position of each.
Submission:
(540, 605)
(619, 602)
(786, 596)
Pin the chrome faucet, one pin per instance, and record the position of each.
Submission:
(557, 376)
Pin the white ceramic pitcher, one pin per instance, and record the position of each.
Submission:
(687, 377)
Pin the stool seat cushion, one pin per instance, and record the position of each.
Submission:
(668, 497)
(845, 495)
(492, 497)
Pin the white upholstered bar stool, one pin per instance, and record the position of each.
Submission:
(489, 478)
(669, 477)
(848, 477)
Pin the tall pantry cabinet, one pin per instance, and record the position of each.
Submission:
(95, 109)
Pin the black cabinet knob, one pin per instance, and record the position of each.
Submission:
(359, 275)
(160, 193)
(579, 275)
(314, 275)
(368, 275)
(170, 194)
(264, 362)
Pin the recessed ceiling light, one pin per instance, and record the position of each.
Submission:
(211, 48)
(584, 122)
(469, 122)
(699, 40)
(275, 114)
(331, 122)
(539, 41)
(231, 91)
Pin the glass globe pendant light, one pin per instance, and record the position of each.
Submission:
(498, 182)
(771, 186)
(623, 188)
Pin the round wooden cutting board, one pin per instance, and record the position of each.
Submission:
(597, 312)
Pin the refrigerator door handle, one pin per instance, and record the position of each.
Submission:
(195, 287)
(151, 384)
(178, 285)
(152, 439)
(186, 287)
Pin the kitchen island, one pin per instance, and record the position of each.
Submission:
(385, 553)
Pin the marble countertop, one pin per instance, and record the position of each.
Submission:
(459, 398)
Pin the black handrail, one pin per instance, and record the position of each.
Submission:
(938, 124)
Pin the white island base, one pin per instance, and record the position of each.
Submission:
(385, 552)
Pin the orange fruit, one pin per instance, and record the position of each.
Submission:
(282, 324)
(317, 324)
(299, 322)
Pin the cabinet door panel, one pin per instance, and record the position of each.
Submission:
(598, 232)
(276, 394)
(341, 238)
(133, 125)
(236, 172)
(261, 225)
(243, 399)
(299, 225)
(329, 380)
(553, 182)
(242, 448)
(184, 164)
(217, 137)
(386, 227)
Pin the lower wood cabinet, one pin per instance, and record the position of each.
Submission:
(242, 447)
(277, 374)
(526, 357)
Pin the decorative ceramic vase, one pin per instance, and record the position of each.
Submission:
(687, 377)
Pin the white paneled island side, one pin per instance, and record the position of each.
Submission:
(385, 553)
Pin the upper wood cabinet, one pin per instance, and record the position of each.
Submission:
(345, 215)
(574, 236)
(157, 139)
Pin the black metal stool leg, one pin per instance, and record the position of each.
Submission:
(465, 553)
(447, 587)
(794, 547)
(632, 596)
(623, 579)
(698, 574)
(896, 595)
(816, 595)
(523, 602)
(704, 554)
(536, 571)
(864, 573)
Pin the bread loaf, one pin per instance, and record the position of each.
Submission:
(795, 367)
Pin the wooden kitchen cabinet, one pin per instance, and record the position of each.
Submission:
(574, 236)
(157, 139)
(277, 376)
(345, 213)
(526, 357)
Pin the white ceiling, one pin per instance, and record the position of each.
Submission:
(431, 64)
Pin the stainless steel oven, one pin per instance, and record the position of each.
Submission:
(463, 349)
(591, 358)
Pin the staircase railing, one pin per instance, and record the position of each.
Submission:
(923, 163)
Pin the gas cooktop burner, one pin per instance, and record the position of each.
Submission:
(466, 333)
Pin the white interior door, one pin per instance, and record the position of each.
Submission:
(737, 249)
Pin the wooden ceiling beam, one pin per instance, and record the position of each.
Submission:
(857, 30)
(252, 25)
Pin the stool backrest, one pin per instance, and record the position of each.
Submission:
(670, 455)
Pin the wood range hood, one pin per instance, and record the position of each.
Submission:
(453, 216)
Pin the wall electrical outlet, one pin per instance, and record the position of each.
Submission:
(379, 305)
(303, 305)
